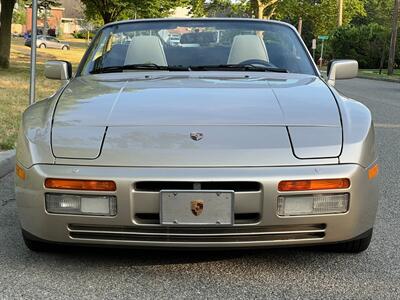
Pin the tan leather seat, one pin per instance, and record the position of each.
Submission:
(145, 50)
(246, 47)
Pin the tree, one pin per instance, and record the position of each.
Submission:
(377, 11)
(393, 41)
(7, 9)
(264, 9)
(44, 7)
(19, 15)
(197, 8)
(221, 8)
(156, 8)
(320, 16)
(110, 11)
(362, 42)
(47, 4)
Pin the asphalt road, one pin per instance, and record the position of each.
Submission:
(270, 274)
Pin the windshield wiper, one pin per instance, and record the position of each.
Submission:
(238, 67)
(115, 69)
(223, 67)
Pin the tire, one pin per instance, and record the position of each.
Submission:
(355, 246)
(36, 246)
(65, 48)
(42, 46)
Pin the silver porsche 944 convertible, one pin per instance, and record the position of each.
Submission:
(226, 137)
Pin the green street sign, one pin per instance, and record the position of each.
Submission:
(323, 37)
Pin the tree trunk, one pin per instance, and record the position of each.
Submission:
(393, 42)
(340, 13)
(7, 8)
(271, 13)
(260, 11)
(107, 18)
(300, 26)
(46, 30)
(258, 8)
(264, 9)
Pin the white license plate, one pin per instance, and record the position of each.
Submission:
(196, 208)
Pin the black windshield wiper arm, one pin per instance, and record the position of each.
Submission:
(238, 67)
(226, 67)
(113, 69)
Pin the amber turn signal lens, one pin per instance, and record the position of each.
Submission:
(373, 171)
(81, 185)
(20, 172)
(316, 184)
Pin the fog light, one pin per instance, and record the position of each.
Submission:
(313, 204)
(81, 204)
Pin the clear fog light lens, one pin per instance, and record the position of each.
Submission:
(313, 204)
(81, 204)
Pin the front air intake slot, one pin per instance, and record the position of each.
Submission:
(198, 235)
(237, 186)
(153, 218)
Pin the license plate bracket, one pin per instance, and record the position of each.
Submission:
(196, 208)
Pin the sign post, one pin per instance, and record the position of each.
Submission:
(32, 89)
(313, 47)
(323, 38)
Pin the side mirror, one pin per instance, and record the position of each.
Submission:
(342, 69)
(58, 69)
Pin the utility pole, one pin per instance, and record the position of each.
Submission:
(45, 22)
(32, 89)
(314, 47)
(393, 40)
(340, 14)
(321, 59)
(300, 26)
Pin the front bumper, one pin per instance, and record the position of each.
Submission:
(136, 224)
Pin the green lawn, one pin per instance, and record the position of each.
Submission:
(14, 84)
(373, 73)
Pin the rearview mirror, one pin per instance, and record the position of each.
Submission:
(58, 69)
(342, 69)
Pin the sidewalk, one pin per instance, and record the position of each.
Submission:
(7, 162)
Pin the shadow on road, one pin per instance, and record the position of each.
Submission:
(149, 257)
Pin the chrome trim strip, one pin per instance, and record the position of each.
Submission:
(196, 234)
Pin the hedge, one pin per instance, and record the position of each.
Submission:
(364, 43)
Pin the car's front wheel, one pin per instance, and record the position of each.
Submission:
(42, 46)
(65, 48)
(355, 246)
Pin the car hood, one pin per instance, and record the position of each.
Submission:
(114, 117)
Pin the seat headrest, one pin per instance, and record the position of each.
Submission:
(146, 49)
(246, 47)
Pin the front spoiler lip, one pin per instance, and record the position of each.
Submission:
(30, 236)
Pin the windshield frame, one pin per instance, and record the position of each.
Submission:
(186, 20)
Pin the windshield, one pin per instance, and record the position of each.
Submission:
(197, 45)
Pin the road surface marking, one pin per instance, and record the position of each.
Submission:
(383, 125)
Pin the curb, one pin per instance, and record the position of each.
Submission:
(7, 162)
(379, 79)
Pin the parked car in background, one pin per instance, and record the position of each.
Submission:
(48, 42)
